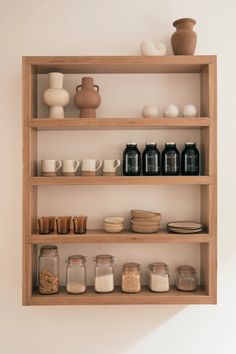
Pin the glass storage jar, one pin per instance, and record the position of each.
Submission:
(131, 278)
(170, 160)
(190, 164)
(158, 277)
(186, 279)
(131, 160)
(76, 274)
(151, 160)
(104, 273)
(48, 277)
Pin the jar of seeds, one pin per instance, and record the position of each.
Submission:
(48, 270)
(131, 278)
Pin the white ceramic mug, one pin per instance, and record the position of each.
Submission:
(69, 167)
(90, 166)
(110, 167)
(50, 167)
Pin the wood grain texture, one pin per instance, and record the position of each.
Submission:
(118, 123)
(119, 180)
(145, 297)
(126, 236)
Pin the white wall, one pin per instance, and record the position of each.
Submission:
(112, 28)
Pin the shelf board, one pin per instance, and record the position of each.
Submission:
(117, 297)
(120, 64)
(118, 123)
(126, 236)
(120, 180)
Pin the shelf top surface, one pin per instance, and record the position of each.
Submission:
(119, 64)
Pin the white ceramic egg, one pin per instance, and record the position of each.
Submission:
(171, 111)
(150, 112)
(149, 48)
(189, 110)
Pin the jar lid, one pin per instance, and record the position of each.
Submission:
(48, 249)
(76, 259)
(133, 144)
(170, 143)
(186, 269)
(104, 258)
(158, 267)
(131, 266)
(189, 143)
(151, 143)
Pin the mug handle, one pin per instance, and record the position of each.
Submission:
(116, 163)
(99, 162)
(76, 165)
(97, 87)
(59, 164)
(77, 88)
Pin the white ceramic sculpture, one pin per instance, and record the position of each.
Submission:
(55, 96)
(149, 48)
(171, 111)
(150, 112)
(189, 110)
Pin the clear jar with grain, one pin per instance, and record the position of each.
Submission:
(104, 273)
(76, 274)
(186, 278)
(131, 278)
(158, 277)
(48, 274)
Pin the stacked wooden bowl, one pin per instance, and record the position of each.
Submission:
(146, 222)
(113, 224)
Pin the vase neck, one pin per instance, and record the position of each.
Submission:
(55, 80)
(184, 25)
(87, 82)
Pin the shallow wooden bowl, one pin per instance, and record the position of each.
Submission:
(143, 214)
(156, 218)
(145, 229)
(144, 223)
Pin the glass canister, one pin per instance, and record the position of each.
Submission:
(186, 278)
(104, 273)
(131, 278)
(170, 160)
(190, 164)
(151, 160)
(131, 160)
(158, 277)
(76, 274)
(48, 277)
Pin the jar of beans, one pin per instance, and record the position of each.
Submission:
(48, 277)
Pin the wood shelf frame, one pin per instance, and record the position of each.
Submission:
(205, 66)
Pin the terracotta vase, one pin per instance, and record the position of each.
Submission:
(184, 39)
(56, 97)
(87, 99)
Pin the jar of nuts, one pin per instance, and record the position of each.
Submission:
(48, 281)
(131, 278)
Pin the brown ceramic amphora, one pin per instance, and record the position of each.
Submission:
(184, 39)
(87, 99)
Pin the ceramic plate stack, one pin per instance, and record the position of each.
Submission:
(185, 227)
(146, 222)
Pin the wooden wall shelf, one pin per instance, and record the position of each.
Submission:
(205, 67)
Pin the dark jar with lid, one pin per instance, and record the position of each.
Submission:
(170, 160)
(190, 160)
(151, 160)
(131, 160)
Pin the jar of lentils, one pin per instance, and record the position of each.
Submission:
(131, 278)
(48, 277)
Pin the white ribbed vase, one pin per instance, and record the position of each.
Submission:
(56, 97)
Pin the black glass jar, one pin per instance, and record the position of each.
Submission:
(151, 160)
(190, 160)
(131, 160)
(170, 160)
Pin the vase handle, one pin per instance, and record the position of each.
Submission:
(77, 87)
(97, 87)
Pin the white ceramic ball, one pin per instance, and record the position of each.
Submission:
(189, 110)
(150, 112)
(171, 111)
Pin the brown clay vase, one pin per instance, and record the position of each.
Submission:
(184, 39)
(87, 99)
